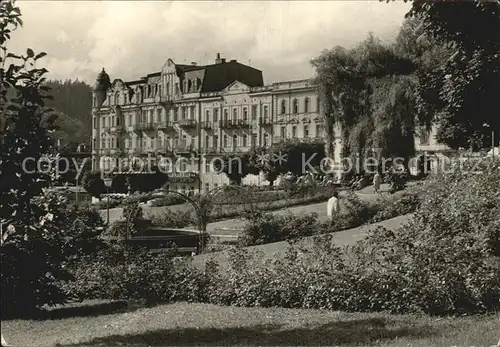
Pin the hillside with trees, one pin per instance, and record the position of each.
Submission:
(73, 104)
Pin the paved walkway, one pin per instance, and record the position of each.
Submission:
(230, 228)
(341, 238)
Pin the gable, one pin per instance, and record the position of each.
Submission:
(236, 87)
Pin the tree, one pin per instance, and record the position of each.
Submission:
(367, 91)
(463, 94)
(38, 241)
(236, 167)
(94, 184)
(73, 100)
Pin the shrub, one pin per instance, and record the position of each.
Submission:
(109, 203)
(407, 204)
(261, 227)
(172, 219)
(168, 200)
(93, 183)
(34, 267)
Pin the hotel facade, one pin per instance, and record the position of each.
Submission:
(190, 111)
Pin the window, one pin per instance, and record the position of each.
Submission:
(225, 140)
(283, 107)
(158, 115)
(175, 114)
(130, 120)
(103, 143)
(245, 140)
(235, 113)
(265, 112)
(216, 115)
(207, 141)
(245, 113)
(424, 137)
(295, 106)
(283, 132)
(129, 143)
(117, 121)
(235, 141)
(207, 187)
(117, 98)
(254, 112)
(193, 112)
(207, 115)
(306, 105)
(294, 131)
(254, 140)
(225, 115)
(94, 122)
(318, 130)
(306, 131)
(216, 141)
(317, 104)
(208, 167)
(184, 112)
(266, 139)
(103, 122)
(94, 142)
(167, 142)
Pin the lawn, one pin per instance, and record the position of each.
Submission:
(202, 324)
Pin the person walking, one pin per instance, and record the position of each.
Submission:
(376, 182)
(333, 206)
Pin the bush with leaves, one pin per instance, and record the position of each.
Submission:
(262, 227)
(40, 234)
(172, 219)
(93, 183)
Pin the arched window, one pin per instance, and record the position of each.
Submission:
(117, 98)
(306, 105)
(295, 106)
(245, 140)
(283, 107)
(235, 141)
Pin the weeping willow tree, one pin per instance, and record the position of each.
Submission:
(368, 91)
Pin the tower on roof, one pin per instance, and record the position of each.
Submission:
(101, 86)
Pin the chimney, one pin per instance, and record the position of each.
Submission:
(217, 59)
(193, 63)
(223, 60)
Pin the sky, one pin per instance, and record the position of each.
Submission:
(133, 38)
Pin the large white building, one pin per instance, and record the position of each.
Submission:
(205, 110)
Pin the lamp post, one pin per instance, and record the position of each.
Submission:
(107, 182)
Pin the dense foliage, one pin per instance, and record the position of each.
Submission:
(444, 261)
(457, 89)
(73, 101)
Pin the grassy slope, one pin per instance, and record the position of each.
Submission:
(202, 324)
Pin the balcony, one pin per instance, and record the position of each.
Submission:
(206, 125)
(226, 124)
(149, 126)
(183, 148)
(166, 126)
(187, 123)
(265, 121)
(241, 123)
(210, 150)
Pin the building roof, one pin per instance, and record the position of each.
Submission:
(219, 76)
